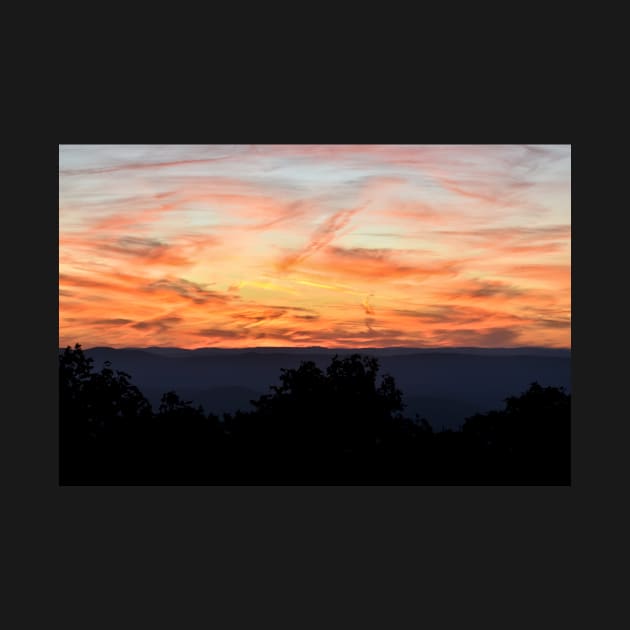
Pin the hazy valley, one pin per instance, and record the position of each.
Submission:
(443, 386)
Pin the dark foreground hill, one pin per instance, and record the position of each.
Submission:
(444, 386)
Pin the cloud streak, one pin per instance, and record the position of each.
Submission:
(320, 238)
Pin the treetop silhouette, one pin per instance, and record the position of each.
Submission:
(344, 424)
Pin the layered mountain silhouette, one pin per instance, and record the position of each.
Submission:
(328, 420)
(442, 385)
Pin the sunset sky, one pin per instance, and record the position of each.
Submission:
(303, 245)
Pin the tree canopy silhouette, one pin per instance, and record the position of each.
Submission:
(344, 424)
(530, 438)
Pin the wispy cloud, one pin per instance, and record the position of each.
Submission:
(491, 337)
(159, 324)
(193, 291)
(320, 238)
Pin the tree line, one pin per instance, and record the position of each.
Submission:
(343, 425)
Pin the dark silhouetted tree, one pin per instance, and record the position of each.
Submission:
(343, 424)
(528, 440)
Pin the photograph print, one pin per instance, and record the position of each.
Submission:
(315, 314)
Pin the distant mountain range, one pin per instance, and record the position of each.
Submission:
(389, 351)
(443, 385)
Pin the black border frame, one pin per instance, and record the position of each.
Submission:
(112, 555)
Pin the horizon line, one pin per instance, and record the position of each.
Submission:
(525, 347)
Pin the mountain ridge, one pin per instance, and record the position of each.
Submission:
(439, 385)
(388, 350)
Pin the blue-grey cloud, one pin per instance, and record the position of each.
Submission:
(195, 292)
